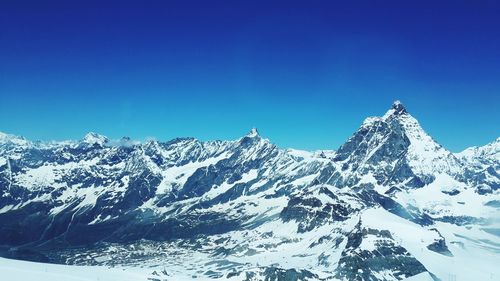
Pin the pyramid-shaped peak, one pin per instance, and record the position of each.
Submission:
(397, 134)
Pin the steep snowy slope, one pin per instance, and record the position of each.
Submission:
(389, 204)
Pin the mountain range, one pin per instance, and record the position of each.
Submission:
(389, 204)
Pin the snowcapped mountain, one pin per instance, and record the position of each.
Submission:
(394, 150)
(484, 162)
(482, 156)
(389, 204)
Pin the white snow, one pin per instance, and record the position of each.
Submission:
(93, 138)
(300, 153)
(253, 133)
(14, 270)
(178, 175)
(479, 156)
(6, 208)
(3, 161)
(433, 201)
(473, 262)
(217, 190)
(424, 276)
(425, 155)
(12, 139)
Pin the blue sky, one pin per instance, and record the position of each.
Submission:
(305, 74)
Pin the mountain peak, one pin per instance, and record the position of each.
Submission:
(398, 106)
(8, 138)
(397, 137)
(94, 138)
(253, 133)
(397, 109)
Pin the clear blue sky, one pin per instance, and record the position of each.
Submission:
(305, 74)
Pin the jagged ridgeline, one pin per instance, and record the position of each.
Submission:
(389, 204)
